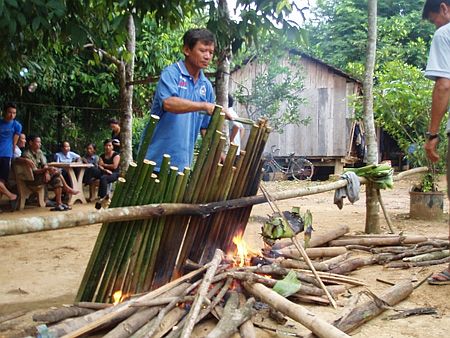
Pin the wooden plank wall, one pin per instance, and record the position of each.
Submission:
(328, 133)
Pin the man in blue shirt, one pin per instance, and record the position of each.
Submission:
(10, 131)
(438, 70)
(183, 91)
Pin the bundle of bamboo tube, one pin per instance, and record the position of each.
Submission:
(138, 256)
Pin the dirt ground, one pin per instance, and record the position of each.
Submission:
(44, 269)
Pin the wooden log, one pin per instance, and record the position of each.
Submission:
(382, 241)
(56, 315)
(233, 317)
(352, 264)
(247, 329)
(369, 310)
(407, 265)
(428, 256)
(313, 253)
(294, 311)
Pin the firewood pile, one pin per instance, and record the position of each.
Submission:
(246, 293)
(347, 253)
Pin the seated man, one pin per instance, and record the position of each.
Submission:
(43, 174)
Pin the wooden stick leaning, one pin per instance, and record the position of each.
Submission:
(201, 294)
(385, 213)
(300, 249)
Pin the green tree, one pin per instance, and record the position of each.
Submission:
(338, 30)
(402, 108)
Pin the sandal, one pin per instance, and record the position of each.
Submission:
(66, 207)
(440, 278)
(58, 208)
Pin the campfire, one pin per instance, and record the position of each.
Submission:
(236, 290)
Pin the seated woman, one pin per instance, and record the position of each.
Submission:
(66, 156)
(108, 168)
(90, 157)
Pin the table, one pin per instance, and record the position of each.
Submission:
(77, 180)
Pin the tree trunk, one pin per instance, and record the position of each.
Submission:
(223, 70)
(126, 76)
(372, 219)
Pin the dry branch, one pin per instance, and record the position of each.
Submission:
(201, 294)
(233, 317)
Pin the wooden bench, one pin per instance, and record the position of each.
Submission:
(22, 174)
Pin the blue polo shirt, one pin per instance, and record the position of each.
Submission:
(7, 132)
(176, 134)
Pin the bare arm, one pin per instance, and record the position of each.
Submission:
(439, 106)
(181, 106)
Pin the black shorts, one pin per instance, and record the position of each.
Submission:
(5, 165)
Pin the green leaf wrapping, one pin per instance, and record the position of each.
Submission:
(287, 286)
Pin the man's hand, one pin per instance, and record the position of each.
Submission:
(430, 148)
(228, 116)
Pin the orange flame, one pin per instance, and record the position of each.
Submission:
(117, 296)
(242, 249)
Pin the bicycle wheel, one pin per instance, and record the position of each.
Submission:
(269, 171)
(301, 169)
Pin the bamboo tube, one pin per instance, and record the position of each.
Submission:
(99, 255)
(120, 251)
(175, 229)
(145, 232)
(148, 134)
(206, 168)
(121, 248)
(201, 158)
(152, 225)
(167, 197)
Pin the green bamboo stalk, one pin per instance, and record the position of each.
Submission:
(208, 187)
(120, 258)
(214, 125)
(150, 229)
(145, 231)
(160, 227)
(227, 167)
(123, 245)
(199, 189)
(95, 255)
(154, 119)
(153, 224)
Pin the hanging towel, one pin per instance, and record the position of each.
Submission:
(351, 190)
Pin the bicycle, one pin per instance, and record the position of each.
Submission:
(299, 169)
